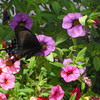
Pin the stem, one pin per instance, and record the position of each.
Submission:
(74, 42)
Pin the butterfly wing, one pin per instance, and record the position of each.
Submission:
(27, 42)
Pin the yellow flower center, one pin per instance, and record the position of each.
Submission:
(21, 24)
(76, 22)
(9, 63)
(44, 46)
(69, 72)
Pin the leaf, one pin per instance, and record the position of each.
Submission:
(58, 64)
(81, 54)
(96, 62)
(61, 37)
(56, 7)
(72, 6)
(50, 57)
(82, 20)
(49, 16)
(27, 90)
(82, 85)
(73, 96)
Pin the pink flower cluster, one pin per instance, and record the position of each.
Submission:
(7, 69)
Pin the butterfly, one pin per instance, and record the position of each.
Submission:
(24, 43)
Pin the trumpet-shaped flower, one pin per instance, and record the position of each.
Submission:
(47, 43)
(77, 90)
(7, 81)
(8, 67)
(70, 73)
(56, 93)
(2, 96)
(73, 26)
(21, 19)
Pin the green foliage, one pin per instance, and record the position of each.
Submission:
(39, 74)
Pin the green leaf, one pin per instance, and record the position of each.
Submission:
(44, 1)
(81, 54)
(49, 16)
(56, 7)
(82, 85)
(82, 20)
(96, 62)
(73, 96)
(72, 6)
(58, 64)
(61, 16)
(50, 57)
(27, 90)
(61, 37)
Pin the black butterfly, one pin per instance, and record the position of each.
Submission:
(25, 43)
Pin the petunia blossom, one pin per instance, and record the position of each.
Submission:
(2, 96)
(73, 26)
(70, 73)
(7, 81)
(21, 19)
(8, 67)
(47, 43)
(67, 62)
(2, 65)
(77, 90)
(42, 98)
(56, 93)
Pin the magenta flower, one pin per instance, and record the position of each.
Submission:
(42, 98)
(96, 21)
(21, 19)
(7, 81)
(2, 96)
(77, 90)
(70, 73)
(2, 65)
(47, 43)
(56, 93)
(73, 26)
(66, 62)
(8, 67)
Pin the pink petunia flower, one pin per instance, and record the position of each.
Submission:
(56, 93)
(73, 26)
(77, 90)
(8, 67)
(70, 73)
(21, 19)
(47, 43)
(42, 98)
(2, 65)
(66, 62)
(7, 81)
(2, 96)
